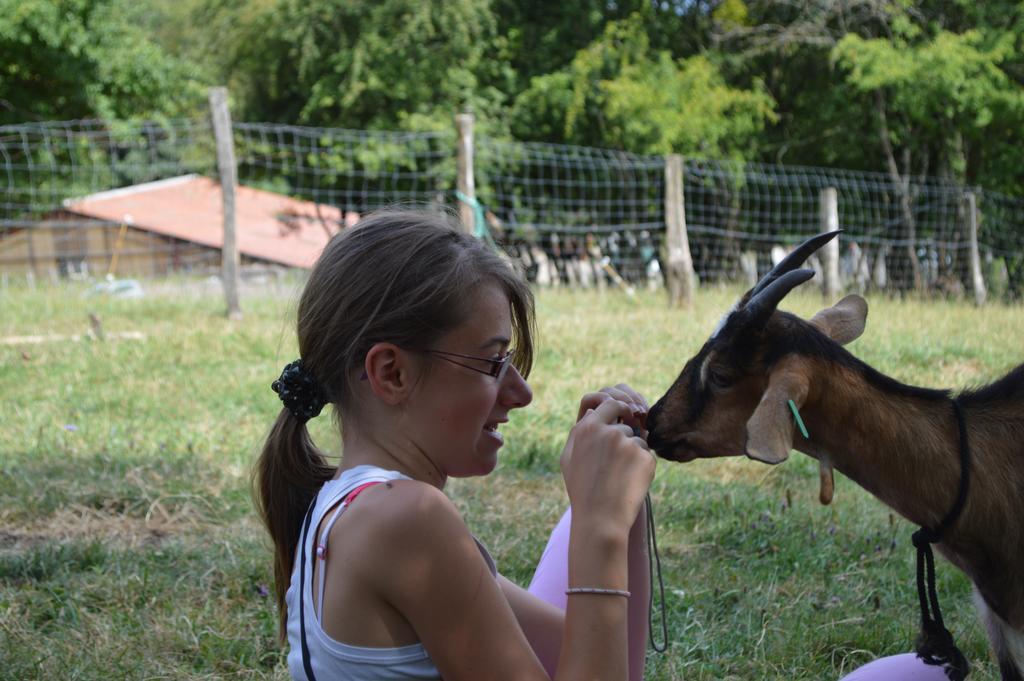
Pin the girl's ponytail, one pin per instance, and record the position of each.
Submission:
(287, 476)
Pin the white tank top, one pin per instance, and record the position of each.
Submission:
(331, 659)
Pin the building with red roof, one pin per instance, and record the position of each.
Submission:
(169, 225)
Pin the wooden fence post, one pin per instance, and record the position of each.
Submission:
(680, 279)
(829, 216)
(30, 272)
(230, 260)
(464, 180)
(977, 281)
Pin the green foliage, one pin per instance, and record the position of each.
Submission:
(731, 13)
(542, 38)
(945, 74)
(625, 96)
(374, 65)
(83, 59)
(945, 91)
(540, 112)
(771, 80)
(686, 107)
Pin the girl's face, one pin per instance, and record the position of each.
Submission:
(456, 410)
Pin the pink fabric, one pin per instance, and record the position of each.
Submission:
(551, 578)
(897, 668)
(358, 490)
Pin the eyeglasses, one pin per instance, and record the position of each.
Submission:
(497, 367)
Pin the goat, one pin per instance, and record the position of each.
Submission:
(897, 441)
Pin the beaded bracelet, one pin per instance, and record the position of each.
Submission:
(596, 590)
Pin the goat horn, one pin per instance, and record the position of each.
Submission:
(793, 260)
(761, 306)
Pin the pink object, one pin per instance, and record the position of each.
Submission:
(897, 668)
(551, 578)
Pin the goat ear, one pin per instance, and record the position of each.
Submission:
(843, 322)
(770, 428)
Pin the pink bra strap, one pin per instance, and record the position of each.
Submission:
(321, 546)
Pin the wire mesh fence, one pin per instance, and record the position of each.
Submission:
(353, 170)
(48, 163)
(576, 216)
(48, 166)
(565, 215)
(1002, 233)
(898, 236)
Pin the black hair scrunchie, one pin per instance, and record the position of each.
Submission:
(299, 391)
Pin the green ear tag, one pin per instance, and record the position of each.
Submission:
(799, 421)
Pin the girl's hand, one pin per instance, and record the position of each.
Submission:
(607, 467)
(623, 393)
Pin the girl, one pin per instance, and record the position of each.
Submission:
(422, 338)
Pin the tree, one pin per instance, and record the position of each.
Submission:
(909, 87)
(359, 64)
(936, 99)
(949, 73)
(618, 92)
(81, 59)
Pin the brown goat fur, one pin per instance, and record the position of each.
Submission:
(899, 442)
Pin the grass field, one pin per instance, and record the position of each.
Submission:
(129, 546)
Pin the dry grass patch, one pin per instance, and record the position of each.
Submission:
(78, 523)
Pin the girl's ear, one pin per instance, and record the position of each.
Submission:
(389, 372)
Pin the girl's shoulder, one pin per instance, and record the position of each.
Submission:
(405, 532)
(403, 509)
(397, 518)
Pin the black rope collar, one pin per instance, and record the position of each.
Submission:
(653, 559)
(935, 645)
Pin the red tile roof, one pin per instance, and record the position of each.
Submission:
(269, 226)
